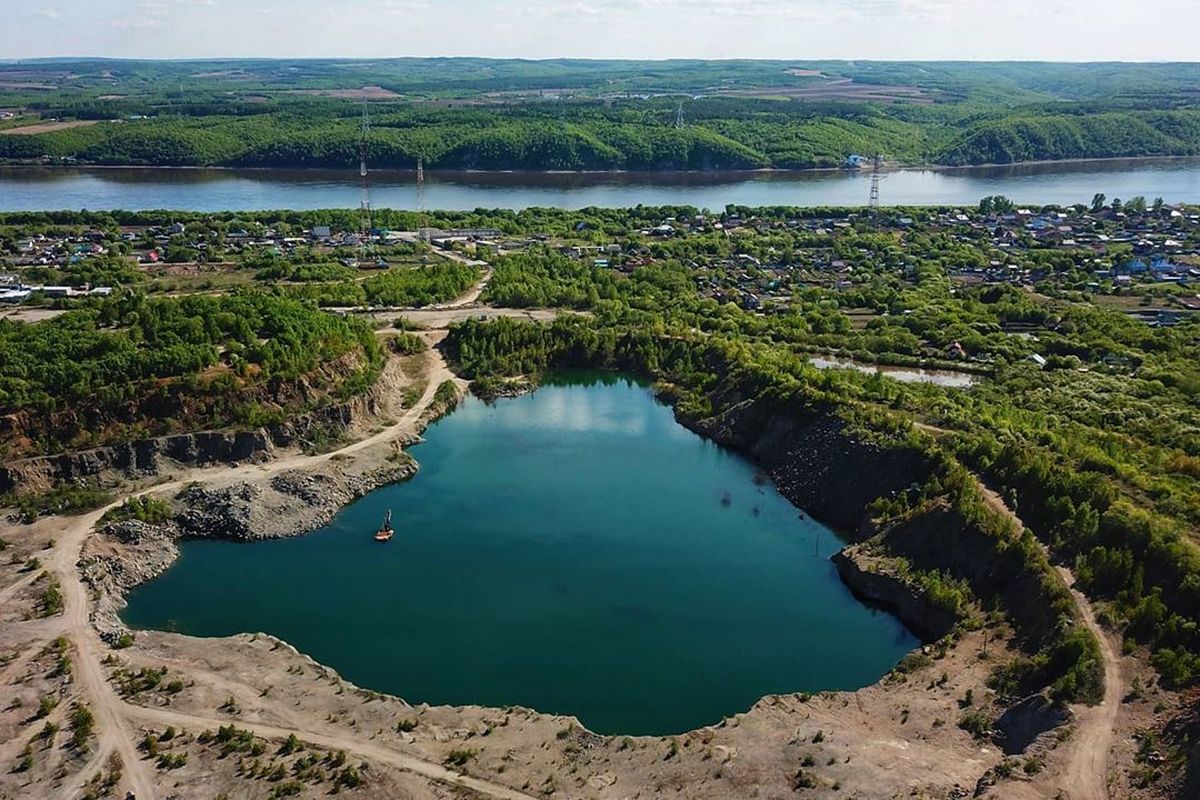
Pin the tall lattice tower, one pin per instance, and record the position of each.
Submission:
(679, 116)
(876, 176)
(422, 217)
(364, 208)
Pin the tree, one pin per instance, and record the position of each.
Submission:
(1098, 201)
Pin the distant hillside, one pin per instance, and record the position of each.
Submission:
(594, 115)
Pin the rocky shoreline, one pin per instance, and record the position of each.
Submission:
(872, 582)
(291, 503)
(803, 456)
(296, 502)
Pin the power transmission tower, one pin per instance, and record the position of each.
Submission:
(679, 116)
(364, 212)
(876, 176)
(422, 220)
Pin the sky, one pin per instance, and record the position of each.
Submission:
(1052, 30)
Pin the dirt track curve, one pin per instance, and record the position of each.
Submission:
(112, 714)
(1085, 776)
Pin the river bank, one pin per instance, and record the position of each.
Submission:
(451, 173)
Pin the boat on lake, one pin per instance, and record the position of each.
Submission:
(385, 532)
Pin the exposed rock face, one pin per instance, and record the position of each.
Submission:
(292, 503)
(1023, 724)
(871, 581)
(815, 462)
(226, 513)
(149, 457)
(144, 552)
(941, 539)
(134, 460)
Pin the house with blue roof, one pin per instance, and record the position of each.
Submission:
(1161, 266)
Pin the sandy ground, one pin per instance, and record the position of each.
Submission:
(47, 127)
(31, 314)
(442, 318)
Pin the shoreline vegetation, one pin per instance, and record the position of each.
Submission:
(768, 417)
(317, 146)
(383, 172)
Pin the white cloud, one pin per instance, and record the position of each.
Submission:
(402, 7)
(789, 29)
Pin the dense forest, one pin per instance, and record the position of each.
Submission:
(587, 136)
(220, 359)
(472, 114)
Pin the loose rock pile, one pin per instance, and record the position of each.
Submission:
(289, 504)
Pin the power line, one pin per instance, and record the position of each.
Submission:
(364, 212)
(876, 176)
(422, 220)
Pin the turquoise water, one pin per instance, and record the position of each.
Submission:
(575, 551)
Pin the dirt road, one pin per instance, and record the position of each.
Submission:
(332, 741)
(112, 714)
(47, 127)
(112, 729)
(1085, 776)
(10, 591)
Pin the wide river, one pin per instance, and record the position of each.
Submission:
(574, 551)
(42, 189)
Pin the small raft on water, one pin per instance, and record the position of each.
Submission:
(385, 533)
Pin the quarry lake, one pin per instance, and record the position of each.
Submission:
(575, 551)
(42, 189)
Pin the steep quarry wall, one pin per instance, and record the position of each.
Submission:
(941, 539)
(149, 457)
(823, 466)
(875, 584)
(816, 462)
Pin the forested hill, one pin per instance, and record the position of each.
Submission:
(1043, 137)
(568, 115)
(129, 367)
(583, 138)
